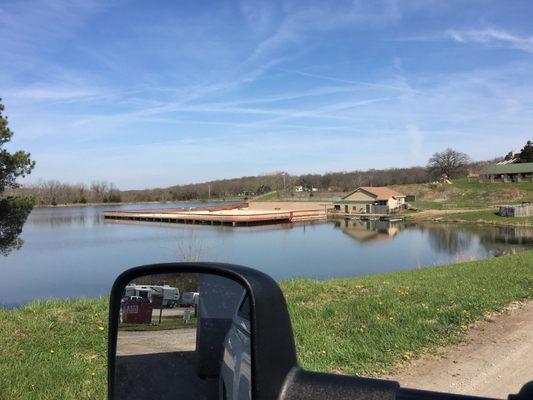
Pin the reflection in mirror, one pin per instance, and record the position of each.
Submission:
(183, 336)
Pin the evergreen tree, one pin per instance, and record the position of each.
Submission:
(14, 210)
(526, 155)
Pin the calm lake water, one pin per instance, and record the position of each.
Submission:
(74, 252)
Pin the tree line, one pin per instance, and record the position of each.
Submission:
(54, 192)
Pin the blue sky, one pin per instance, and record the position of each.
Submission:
(151, 94)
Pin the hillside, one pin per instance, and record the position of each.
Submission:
(464, 194)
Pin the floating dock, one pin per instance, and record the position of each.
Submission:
(377, 217)
(231, 215)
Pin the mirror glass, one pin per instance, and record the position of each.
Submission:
(183, 336)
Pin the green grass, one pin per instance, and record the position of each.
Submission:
(475, 185)
(54, 350)
(428, 205)
(488, 216)
(462, 194)
(275, 195)
(368, 324)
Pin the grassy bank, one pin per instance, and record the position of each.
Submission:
(56, 350)
(490, 217)
(462, 194)
(369, 324)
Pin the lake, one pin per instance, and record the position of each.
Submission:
(74, 252)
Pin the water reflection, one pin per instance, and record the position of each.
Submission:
(517, 235)
(448, 239)
(496, 240)
(366, 231)
(66, 219)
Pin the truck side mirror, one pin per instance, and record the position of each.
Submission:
(198, 331)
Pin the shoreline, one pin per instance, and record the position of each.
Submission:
(482, 216)
(428, 215)
(482, 222)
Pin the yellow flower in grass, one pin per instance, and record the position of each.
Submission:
(407, 357)
(463, 327)
(101, 327)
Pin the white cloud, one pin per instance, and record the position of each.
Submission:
(323, 17)
(494, 37)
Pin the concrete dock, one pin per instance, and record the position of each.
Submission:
(242, 214)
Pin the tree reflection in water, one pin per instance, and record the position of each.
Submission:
(452, 239)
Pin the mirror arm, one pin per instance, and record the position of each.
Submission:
(526, 393)
(301, 384)
(414, 394)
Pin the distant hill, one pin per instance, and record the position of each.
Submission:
(54, 192)
(252, 186)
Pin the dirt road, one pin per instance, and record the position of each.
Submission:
(496, 360)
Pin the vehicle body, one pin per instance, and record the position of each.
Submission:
(170, 294)
(235, 370)
(189, 299)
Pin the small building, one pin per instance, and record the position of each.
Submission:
(507, 173)
(371, 200)
(517, 210)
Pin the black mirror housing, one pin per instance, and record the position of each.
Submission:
(272, 349)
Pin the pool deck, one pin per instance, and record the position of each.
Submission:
(232, 215)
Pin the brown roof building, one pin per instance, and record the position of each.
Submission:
(370, 200)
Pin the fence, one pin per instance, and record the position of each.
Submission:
(523, 210)
(374, 209)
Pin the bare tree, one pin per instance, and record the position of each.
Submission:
(449, 162)
(191, 249)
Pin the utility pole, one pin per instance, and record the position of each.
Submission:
(209, 190)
